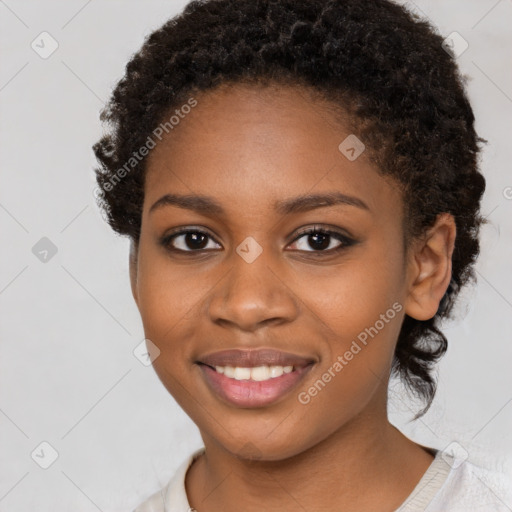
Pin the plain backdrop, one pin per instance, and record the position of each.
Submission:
(69, 325)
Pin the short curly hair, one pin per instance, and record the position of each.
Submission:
(372, 58)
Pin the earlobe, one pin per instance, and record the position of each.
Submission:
(133, 259)
(430, 268)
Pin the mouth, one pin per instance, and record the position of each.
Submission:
(255, 378)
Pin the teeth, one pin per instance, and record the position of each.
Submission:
(276, 371)
(242, 373)
(229, 371)
(258, 373)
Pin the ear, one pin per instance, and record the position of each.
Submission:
(430, 268)
(134, 251)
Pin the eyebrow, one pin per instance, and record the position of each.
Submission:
(207, 205)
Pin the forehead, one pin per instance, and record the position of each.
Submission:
(250, 146)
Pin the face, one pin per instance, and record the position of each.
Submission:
(250, 276)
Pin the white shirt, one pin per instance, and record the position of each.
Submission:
(450, 484)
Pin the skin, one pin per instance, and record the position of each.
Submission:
(248, 147)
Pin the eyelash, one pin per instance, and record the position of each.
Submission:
(345, 240)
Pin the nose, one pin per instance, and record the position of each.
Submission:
(252, 295)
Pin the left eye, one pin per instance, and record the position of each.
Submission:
(321, 240)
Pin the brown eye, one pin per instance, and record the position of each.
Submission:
(322, 240)
(191, 240)
(316, 240)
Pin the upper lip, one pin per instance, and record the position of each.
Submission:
(254, 357)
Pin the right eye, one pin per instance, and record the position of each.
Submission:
(186, 240)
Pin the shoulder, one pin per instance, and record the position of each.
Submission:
(173, 496)
(471, 488)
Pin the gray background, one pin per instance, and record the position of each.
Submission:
(69, 325)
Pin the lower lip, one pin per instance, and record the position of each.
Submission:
(250, 393)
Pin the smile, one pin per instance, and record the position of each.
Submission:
(250, 387)
(251, 378)
(258, 373)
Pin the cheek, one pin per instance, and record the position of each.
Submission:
(167, 293)
(361, 326)
(350, 297)
(168, 306)
(359, 310)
